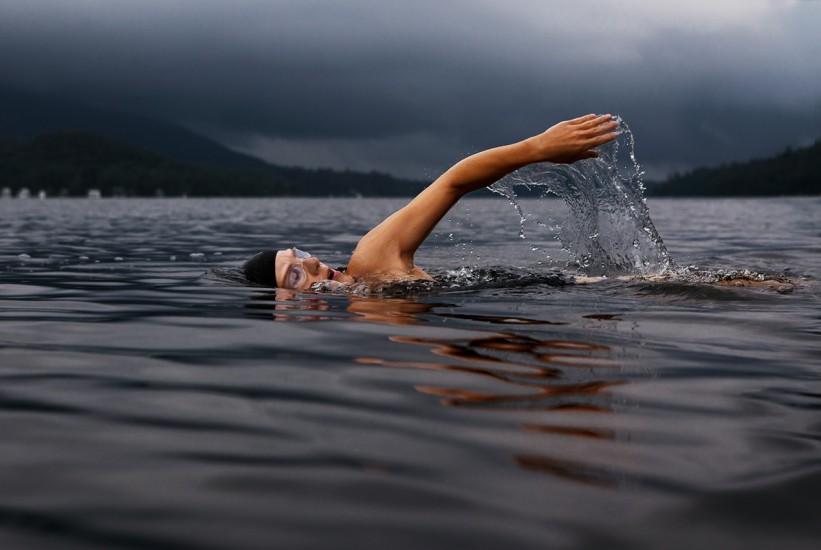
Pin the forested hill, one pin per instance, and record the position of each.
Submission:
(65, 148)
(71, 163)
(793, 172)
(25, 116)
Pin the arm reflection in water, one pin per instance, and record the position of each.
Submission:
(533, 373)
(516, 374)
(566, 378)
(391, 311)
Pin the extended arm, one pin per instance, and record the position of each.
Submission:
(389, 247)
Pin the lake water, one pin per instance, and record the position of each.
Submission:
(148, 399)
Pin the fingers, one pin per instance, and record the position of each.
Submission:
(592, 117)
(604, 138)
(600, 134)
(605, 128)
(593, 121)
(583, 119)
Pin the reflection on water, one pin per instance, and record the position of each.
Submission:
(526, 384)
(526, 373)
(289, 306)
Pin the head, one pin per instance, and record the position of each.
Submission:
(290, 268)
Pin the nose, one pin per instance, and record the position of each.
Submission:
(311, 265)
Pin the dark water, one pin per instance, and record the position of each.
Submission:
(148, 401)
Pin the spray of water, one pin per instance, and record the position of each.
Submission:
(608, 229)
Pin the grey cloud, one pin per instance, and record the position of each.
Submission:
(340, 77)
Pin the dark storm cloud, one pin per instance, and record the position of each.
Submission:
(366, 84)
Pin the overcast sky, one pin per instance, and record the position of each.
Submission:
(410, 87)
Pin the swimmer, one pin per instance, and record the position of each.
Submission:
(386, 253)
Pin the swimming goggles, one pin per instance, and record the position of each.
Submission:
(296, 275)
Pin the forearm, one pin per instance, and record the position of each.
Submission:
(564, 142)
(487, 167)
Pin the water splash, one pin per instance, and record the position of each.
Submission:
(464, 279)
(608, 229)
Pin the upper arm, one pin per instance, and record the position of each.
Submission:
(392, 244)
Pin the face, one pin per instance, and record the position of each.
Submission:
(299, 270)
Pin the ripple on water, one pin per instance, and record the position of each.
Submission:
(158, 403)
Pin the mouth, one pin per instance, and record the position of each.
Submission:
(332, 274)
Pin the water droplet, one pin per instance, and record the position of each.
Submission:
(23, 256)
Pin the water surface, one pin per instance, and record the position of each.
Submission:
(149, 400)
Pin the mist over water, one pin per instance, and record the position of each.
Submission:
(607, 228)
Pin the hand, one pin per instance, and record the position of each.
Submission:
(574, 140)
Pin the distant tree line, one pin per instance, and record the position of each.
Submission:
(67, 163)
(793, 172)
(70, 163)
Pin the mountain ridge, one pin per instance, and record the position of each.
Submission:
(64, 148)
(71, 163)
(24, 116)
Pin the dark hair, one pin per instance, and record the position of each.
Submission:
(261, 269)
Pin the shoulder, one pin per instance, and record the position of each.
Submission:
(382, 264)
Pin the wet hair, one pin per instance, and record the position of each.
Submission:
(261, 269)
